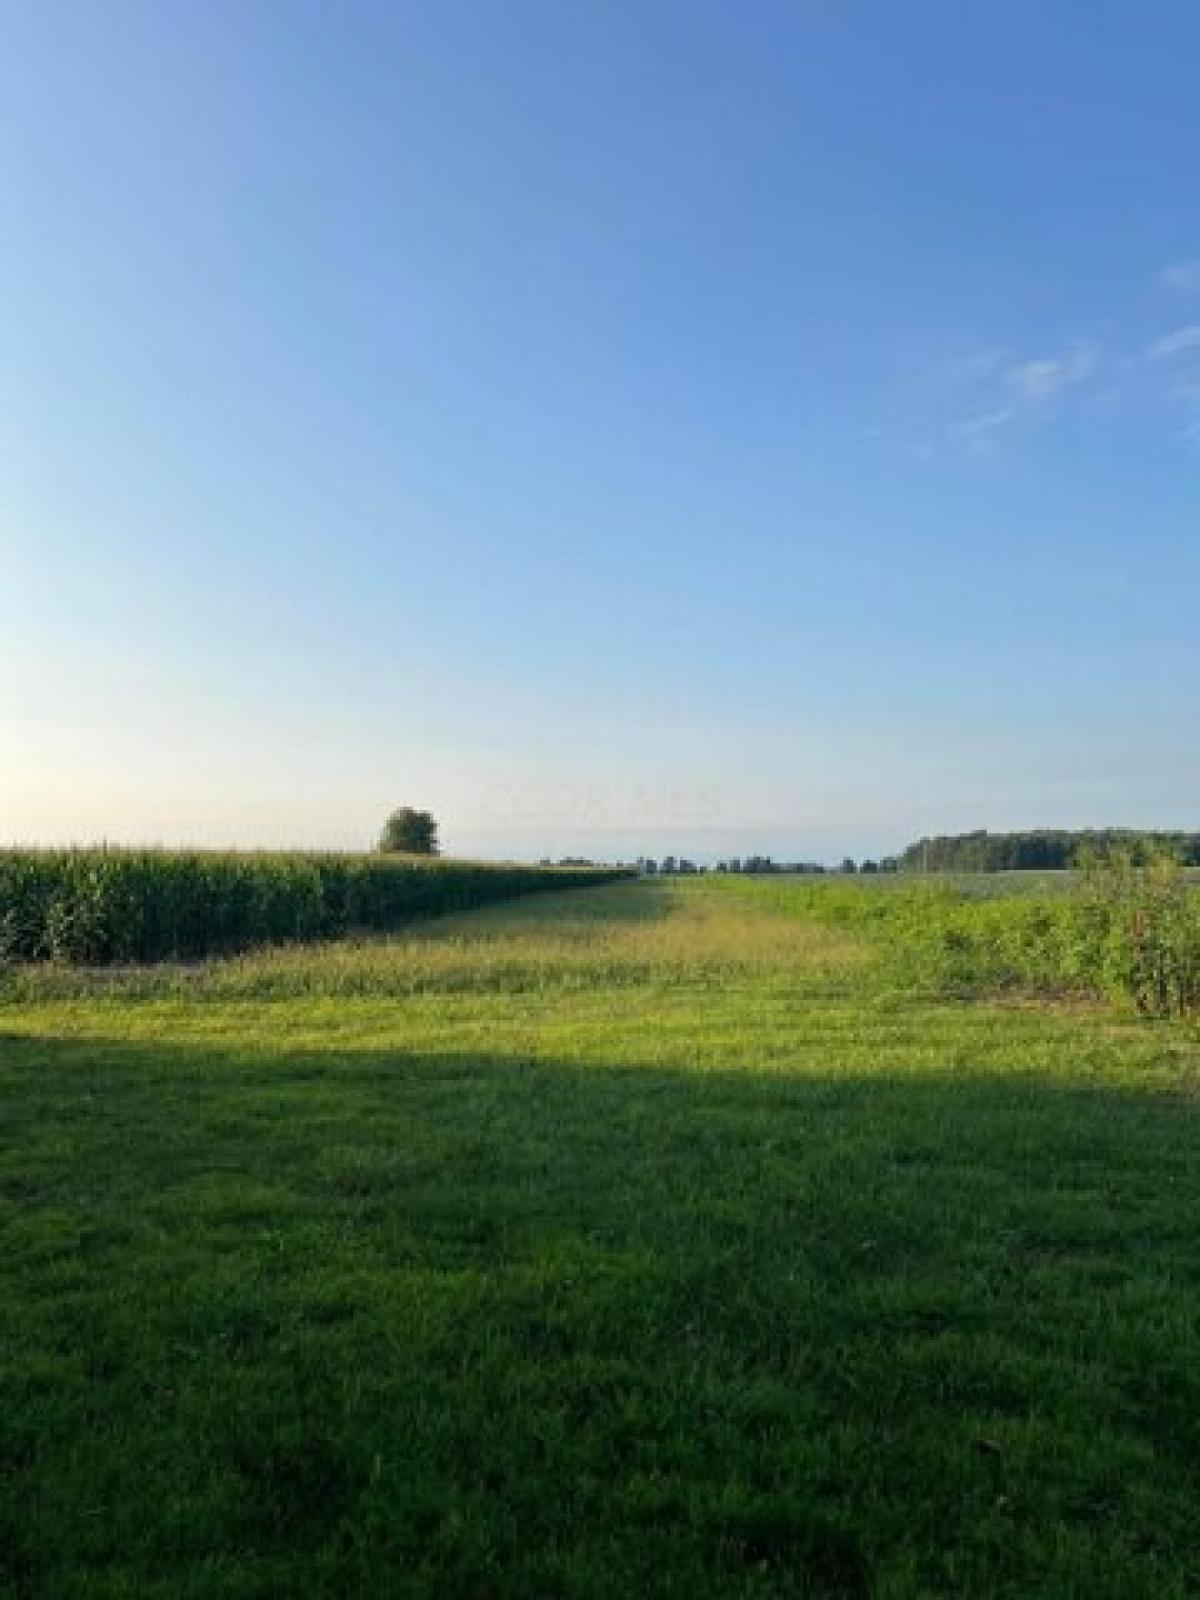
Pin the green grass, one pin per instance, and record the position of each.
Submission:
(643, 1241)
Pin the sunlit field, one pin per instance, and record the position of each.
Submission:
(674, 1239)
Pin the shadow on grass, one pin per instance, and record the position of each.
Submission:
(379, 1323)
(639, 900)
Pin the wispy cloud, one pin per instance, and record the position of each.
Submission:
(978, 400)
(1182, 275)
(1045, 377)
(1007, 394)
(1177, 343)
(981, 426)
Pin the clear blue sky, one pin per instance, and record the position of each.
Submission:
(615, 426)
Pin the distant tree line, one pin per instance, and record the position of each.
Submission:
(1040, 849)
(758, 865)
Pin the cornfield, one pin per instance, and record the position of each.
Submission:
(102, 905)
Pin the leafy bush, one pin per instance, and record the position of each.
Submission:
(1127, 929)
(103, 905)
(1147, 929)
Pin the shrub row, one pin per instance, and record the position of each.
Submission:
(1125, 930)
(104, 905)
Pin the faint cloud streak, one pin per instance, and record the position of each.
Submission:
(1177, 343)
(1045, 377)
(1184, 275)
(979, 427)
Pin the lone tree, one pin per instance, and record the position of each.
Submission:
(410, 832)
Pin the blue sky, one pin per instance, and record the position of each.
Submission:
(617, 426)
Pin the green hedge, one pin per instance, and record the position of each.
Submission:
(116, 905)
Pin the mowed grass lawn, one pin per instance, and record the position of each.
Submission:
(630, 1242)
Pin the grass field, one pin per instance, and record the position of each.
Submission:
(648, 1240)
